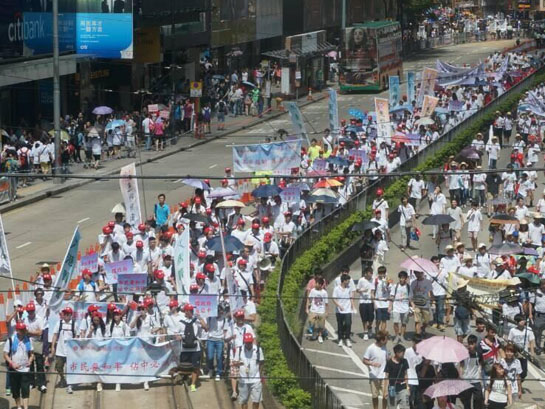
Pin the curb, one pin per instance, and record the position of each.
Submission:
(36, 197)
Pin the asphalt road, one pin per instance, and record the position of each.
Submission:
(41, 231)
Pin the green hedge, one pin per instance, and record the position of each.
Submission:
(282, 381)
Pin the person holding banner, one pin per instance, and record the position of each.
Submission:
(190, 357)
(64, 330)
(19, 355)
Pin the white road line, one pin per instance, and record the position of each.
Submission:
(336, 388)
(327, 368)
(176, 181)
(83, 220)
(349, 351)
(213, 166)
(326, 352)
(535, 373)
(24, 245)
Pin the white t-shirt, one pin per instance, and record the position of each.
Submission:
(250, 359)
(521, 338)
(342, 296)
(414, 360)
(512, 369)
(400, 296)
(378, 354)
(382, 293)
(64, 333)
(364, 288)
(318, 301)
(474, 219)
(405, 214)
(416, 188)
(535, 233)
(20, 356)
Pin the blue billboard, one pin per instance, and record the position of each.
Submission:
(106, 35)
(37, 33)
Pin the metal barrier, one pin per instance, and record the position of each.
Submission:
(323, 396)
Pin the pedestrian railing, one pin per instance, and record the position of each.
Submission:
(323, 397)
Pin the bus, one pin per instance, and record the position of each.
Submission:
(372, 52)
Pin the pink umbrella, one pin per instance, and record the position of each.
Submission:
(449, 387)
(442, 349)
(419, 264)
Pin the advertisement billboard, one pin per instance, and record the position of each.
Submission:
(104, 29)
(101, 28)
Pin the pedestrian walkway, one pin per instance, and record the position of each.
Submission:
(342, 367)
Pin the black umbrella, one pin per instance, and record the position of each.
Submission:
(366, 225)
(498, 201)
(231, 244)
(505, 249)
(469, 153)
(438, 219)
(196, 217)
(504, 216)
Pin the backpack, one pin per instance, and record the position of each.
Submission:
(81, 285)
(23, 158)
(73, 329)
(26, 341)
(189, 340)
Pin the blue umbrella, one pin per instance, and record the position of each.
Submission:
(231, 244)
(441, 110)
(300, 185)
(406, 107)
(356, 113)
(336, 160)
(266, 191)
(196, 183)
(222, 192)
(102, 110)
(321, 199)
(114, 124)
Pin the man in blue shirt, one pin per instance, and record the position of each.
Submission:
(162, 211)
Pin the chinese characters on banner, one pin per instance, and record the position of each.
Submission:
(427, 84)
(129, 191)
(65, 274)
(205, 305)
(267, 156)
(181, 263)
(383, 119)
(359, 153)
(113, 270)
(90, 262)
(319, 164)
(118, 360)
(456, 105)
(131, 283)
(291, 195)
(428, 106)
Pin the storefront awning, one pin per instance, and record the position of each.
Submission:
(314, 49)
(36, 69)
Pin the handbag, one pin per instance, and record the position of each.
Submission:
(392, 388)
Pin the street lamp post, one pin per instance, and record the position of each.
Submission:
(56, 91)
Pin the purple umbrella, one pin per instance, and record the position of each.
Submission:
(450, 387)
(102, 110)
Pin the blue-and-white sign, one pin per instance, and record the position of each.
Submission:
(267, 156)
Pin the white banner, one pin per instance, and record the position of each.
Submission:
(297, 120)
(333, 111)
(427, 84)
(118, 360)
(5, 263)
(267, 156)
(129, 191)
(181, 263)
(383, 119)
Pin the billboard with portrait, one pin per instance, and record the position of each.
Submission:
(361, 56)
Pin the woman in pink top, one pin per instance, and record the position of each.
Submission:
(158, 134)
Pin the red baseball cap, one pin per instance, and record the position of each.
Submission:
(200, 276)
(139, 244)
(267, 237)
(188, 307)
(248, 338)
(173, 304)
(107, 230)
(20, 326)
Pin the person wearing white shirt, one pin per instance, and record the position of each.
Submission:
(415, 189)
(521, 211)
(365, 288)
(474, 219)
(316, 308)
(540, 206)
(456, 213)
(343, 298)
(493, 150)
(468, 269)
(64, 330)
(483, 261)
(509, 180)
(407, 218)
(19, 356)
(438, 206)
(536, 230)
(249, 360)
(375, 357)
(479, 187)
(400, 295)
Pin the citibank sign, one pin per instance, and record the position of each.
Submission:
(24, 30)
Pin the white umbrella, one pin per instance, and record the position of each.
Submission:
(119, 208)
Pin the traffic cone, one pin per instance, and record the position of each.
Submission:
(58, 266)
(97, 247)
(9, 304)
(3, 323)
(18, 293)
(32, 278)
(26, 294)
(79, 255)
(309, 96)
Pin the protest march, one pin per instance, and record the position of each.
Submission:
(175, 293)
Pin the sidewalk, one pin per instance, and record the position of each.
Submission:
(40, 190)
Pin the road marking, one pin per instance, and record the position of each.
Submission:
(349, 351)
(535, 373)
(83, 220)
(327, 368)
(177, 181)
(326, 352)
(336, 388)
(24, 245)
(213, 166)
